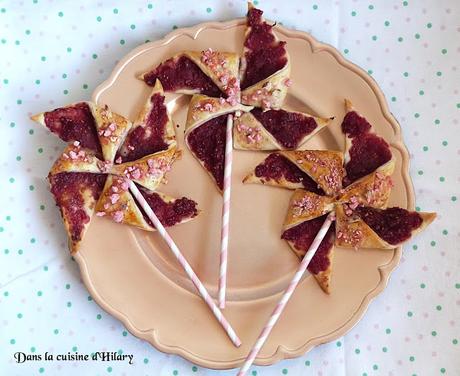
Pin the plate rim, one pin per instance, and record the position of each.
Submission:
(281, 351)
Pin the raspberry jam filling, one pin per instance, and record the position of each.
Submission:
(68, 189)
(74, 123)
(368, 151)
(169, 213)
(180, 74)
(394, 225)
(288, 128)
(303, 235)
(207, 142)
(265, 56)
(276, 167)
(149, 137)
(354, 125)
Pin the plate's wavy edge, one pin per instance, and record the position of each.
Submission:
(281, 352)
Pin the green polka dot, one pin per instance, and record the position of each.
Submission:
(56, 331)
(12, 341)
(60, 14)
(32, 349)
(415, 247)
(20, 251)
(387, 330)
(411, 358)
(443, 370)
(442, 179)
(194, 368)
(99, 316)
(209, 10)
(5, 81)
(31, 187)
(455, 341)
(94, 56)
(3, 10)
(443, 51)
(454, 198)
(420, 172)
(64, 75)
(354, 13)
(175, 372)
(17, 43)
(6, 251)
(416, 115)
(405, 3)
(387, 23)
(338, 343)
(115, 11)
(417, 36)
(437, 121)
(90, 298)
(67, 286)
(371, 7)
(434, 333)
(438, 308)
(417, 208)
(43, 58)
(69, 304)
(85, 86)
(19, 315)
(374, 37)
(429, 25)
(410, 314)
(400, 39)
(425, 148)
(421, 92)
(75, 348)
(150, 6)
(39, 293)
(66, 92)
(346, 50)
(41, 370)
(384, 349)
(69, 49)
(375, 367)
(406, 74)
(315, 7)
(174, 27)
(422, 285)
(42, 207)
(37, 82)
(19, 101)
(370, 71)
(307, 363)
(132, 26)
(439, 73)
(125, 333)
(109, 369)
(357, 351)
(445, 232)
(98, 18)
(122, 41)
(11, 180)
(6, 293)
(27, 32)
(146, 360)
(444, 143)
(393, 99)
(457, 285)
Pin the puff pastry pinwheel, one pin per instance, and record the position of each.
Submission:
(319, 178)
(105, 150)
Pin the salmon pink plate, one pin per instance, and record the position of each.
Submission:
(132, 274)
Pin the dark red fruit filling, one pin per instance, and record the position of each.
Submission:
(182, 73)
(353, 125)
(289, 128)
(149, 138)
(74, 123)
(367, 153)
(394, 225)
(275, 167)
(68, 188)
(265, 56)
(303, 235)
(207, 142)
(171, 213)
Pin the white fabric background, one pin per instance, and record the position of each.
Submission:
(56, 52)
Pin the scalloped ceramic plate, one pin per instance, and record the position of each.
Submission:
(132, 275)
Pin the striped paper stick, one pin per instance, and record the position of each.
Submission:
(185, 265)
(287, 294)
(226, 212)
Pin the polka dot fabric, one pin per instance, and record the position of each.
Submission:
(56, 52)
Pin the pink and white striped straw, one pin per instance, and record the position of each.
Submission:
(287, 294)
(226, 212)
(185, 265)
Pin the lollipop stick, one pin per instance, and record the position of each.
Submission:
(287, 294)
(226, 212)
(185, 265)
